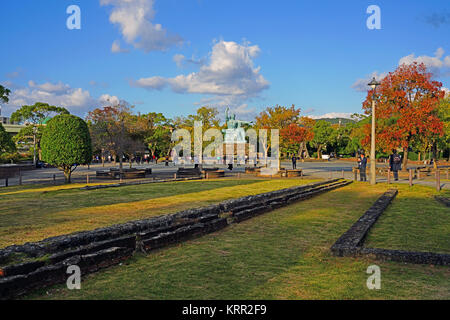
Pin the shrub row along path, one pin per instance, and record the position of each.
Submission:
(284, 254)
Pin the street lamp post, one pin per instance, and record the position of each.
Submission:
(373, 84)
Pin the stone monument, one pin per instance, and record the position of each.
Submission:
(234, 132)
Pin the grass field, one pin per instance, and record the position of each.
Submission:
(38, 212)
(414, 221)
(284, 254)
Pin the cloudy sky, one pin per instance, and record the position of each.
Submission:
(173, 56)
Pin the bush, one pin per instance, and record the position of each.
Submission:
(413, 156)
(66, 143)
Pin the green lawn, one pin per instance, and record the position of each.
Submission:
(414, 221)
(283, 254)
(32, 214)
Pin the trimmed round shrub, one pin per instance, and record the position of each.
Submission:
(66, 143)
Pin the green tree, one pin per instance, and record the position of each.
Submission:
(324, 134)
(208, 117)
(278, 117)
(443, 142)
(66, 143)
(35, 116)
(4, 94)
(154, 129)
(6, 143)
(112, 129)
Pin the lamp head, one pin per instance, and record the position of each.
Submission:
(374, 83)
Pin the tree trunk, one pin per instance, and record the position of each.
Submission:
(67, 175)
(318, 152)
(121, 164)
(435, 158)
(419, 156)
(405, 158)
(34, 150)
(306, 151)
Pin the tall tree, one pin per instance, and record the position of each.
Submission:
(111, 130)
(6, 143)
(208, 117)
(277, 117)
(154, 129)
(295, 136)
(324, 134)
(4, 94)
(35, 116)
(443, 142)
(407, 104)
(66, 143)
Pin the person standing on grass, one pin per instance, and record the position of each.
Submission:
(294, 162)
(395, 163)
(362, 167)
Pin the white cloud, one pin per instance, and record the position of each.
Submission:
(446, 90)
(332, 115)
(108, 100)
(230, 77)
(181, 60)
(50, 87)
(157, 83)
(76, 100)
(14, 74)
(360, 85)
(438, 65)
(116, 48)
(134, 18)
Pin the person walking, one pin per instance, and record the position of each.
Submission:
(395, 163)
(294, 162)
(362, 167)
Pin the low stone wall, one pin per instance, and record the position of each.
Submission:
(352, 241)
(355, 236)
(43, 263)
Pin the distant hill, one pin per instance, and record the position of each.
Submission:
(336, 120)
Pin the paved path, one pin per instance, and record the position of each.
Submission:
(330, 169)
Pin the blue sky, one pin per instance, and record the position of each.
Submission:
(182, 54)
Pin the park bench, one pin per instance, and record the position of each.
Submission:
(210, 173)
(131, 173)
(252, 170)
(290, 173)
(188, 172)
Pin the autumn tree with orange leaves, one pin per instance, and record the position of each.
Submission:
(295, 136)
(277, 117)
(407, 104)
(295, 131)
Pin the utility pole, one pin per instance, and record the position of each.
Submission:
(373, 179)
(34, 146)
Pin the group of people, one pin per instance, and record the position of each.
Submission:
(395, 165)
